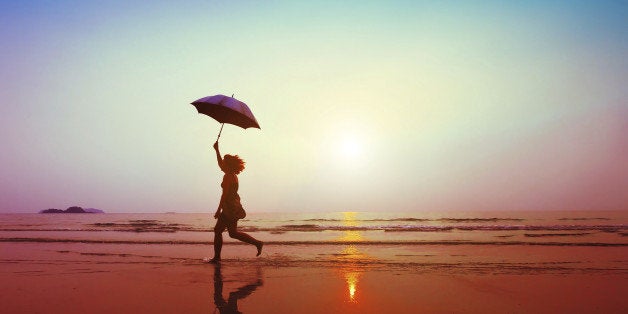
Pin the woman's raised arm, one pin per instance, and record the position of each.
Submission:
(218, 157)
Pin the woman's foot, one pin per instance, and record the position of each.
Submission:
(259, 248)
(214, 260)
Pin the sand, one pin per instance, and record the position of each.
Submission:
(135, 278)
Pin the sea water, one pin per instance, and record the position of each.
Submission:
(556, 228)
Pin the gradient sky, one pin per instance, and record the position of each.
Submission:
(378, 106)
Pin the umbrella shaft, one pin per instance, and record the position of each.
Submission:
(220, 132)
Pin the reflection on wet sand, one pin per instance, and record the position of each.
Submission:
(231, 304)
(350, 255)
(352, 269)
(352, 281)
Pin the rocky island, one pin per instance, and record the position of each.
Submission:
(72, 210)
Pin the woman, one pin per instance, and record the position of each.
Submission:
(229, 209)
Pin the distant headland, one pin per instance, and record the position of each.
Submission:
(72, 210)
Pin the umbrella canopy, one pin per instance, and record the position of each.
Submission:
(227, 109)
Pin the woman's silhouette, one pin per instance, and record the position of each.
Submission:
(229, 209)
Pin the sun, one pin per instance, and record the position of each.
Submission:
(351, 149)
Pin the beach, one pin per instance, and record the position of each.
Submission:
(390, 157)
(332, 263)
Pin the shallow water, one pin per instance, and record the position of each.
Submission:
(332, 262)
(364, 228)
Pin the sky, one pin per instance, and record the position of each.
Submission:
(363, 105)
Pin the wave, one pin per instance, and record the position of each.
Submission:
(301, 227)
(478, 219)
(147, 226)
(540, 235)
(585, 218)
(423, 264)
(604, 228)
(143, 226)
(420, 263)
(366, 220)
(430, 228)
(333, 242)
(493, 219)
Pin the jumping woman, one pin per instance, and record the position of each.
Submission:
(229, 209)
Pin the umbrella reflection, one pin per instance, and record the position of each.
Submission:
(231, 304)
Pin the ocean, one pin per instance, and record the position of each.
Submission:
(551, 228)
(344, 262)
(523, 242)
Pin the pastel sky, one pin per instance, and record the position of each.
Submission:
(364, 105)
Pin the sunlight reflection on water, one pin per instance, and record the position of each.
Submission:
(350, 255)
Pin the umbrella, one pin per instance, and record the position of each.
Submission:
(226, 109)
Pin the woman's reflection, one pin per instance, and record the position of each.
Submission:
(231, 304)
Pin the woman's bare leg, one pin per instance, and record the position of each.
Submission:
(218, 229)
(244, 237)
(217, 245)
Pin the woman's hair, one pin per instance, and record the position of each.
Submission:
(233, 163)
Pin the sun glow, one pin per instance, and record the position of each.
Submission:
(351, 148)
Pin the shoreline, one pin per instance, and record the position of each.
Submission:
(105, 278)
(154, 264)
(316, 243)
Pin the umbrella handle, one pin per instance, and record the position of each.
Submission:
(220, 132)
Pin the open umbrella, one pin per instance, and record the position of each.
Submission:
(226, 109)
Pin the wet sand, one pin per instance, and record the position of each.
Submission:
(134, 278)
